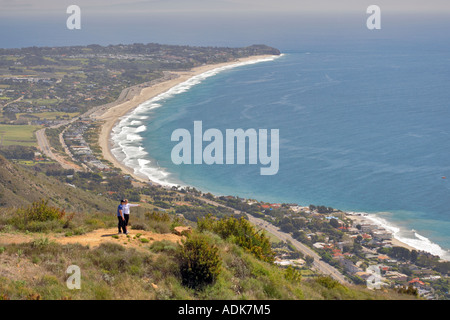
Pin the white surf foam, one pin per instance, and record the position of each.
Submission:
(125, 135)
(141, 129)
(411, 237)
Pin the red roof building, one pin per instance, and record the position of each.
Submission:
(416, 281)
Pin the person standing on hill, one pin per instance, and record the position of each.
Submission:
(120, 216)
(126, 211)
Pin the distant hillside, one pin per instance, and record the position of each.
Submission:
(259, 49)
(20, 187)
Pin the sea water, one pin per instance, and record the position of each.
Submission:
(363, 127)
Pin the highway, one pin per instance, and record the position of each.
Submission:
(318, 265)
(44, 146)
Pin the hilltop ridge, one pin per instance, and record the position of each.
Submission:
(20, 187)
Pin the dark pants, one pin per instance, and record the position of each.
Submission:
(122, 224)
(127, 217)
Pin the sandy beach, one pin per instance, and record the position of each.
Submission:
(112, 115)
(364, 220)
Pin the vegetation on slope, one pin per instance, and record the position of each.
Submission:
(19, 187)
(205, 265)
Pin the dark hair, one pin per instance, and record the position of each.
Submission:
(122, 201)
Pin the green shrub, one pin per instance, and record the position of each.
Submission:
(39, 217)
(41, 211)
(95, 223)
(159, 227)
(241, 232)
(327, 282)
(42, 226)
(292, 274)
(199, 262)
(139, 226)
(39, 243)
(114, 258)
(163, 246)
(158, 216)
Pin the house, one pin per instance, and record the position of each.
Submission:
(319, 245)
(381, 235)
(416, 282)
(363, 275)
(283, 262)
(367, 227)
(338, 255)
(382, 257)
(349, 266)
(343, 244)
(352, 230)
(297, 208)
(396, 276)
(432, 278)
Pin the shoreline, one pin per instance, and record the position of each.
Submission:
(112, 116)
(363, 220)
(368, 219)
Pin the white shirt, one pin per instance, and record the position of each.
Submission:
(126, 207)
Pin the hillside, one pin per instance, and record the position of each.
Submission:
(153, 265)
(218, 258)
(20, 187)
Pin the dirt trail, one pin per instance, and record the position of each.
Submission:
(136, 238)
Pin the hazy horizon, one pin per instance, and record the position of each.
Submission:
(22, 7)
(282, 30)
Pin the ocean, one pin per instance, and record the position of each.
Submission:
(363, 126)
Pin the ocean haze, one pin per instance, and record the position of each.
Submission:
(293, 31)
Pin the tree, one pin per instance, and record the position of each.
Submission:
(241, 232)
(410, 290)
(292, 275)
(287, 227)
(334, 223)
(414, 256)
(309, 261)
(199, 262)
(401, 253)
(356, 247)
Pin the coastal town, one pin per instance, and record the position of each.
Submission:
(357, 247)
(65, 91)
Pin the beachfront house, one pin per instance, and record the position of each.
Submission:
(381, 235)
(367, 228)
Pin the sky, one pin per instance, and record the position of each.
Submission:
(285, 24)
(44, 7)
